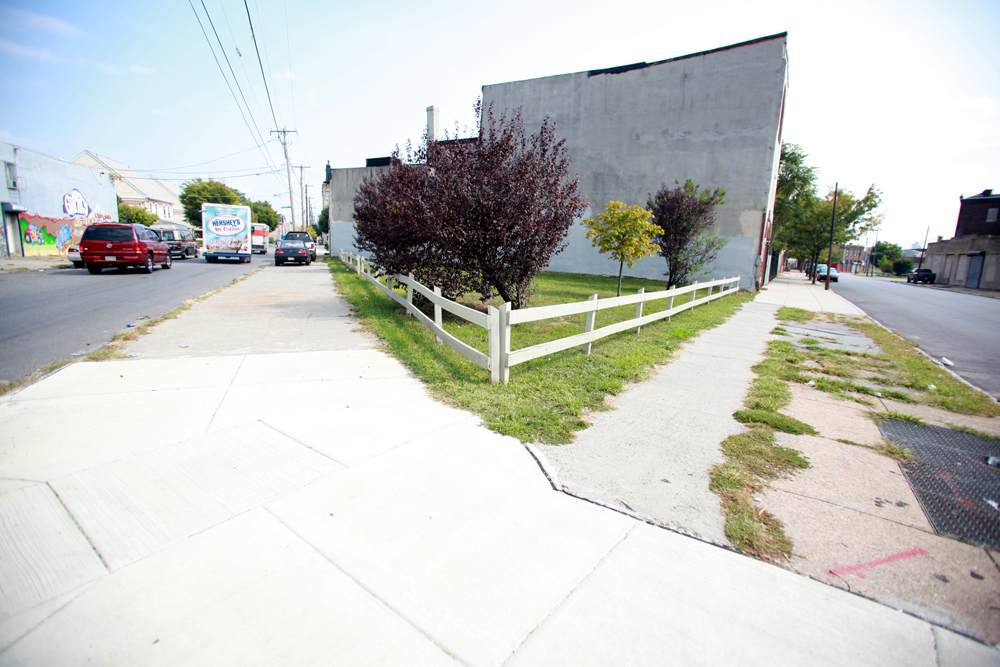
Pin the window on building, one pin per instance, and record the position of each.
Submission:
(10, 170)
(991, 215)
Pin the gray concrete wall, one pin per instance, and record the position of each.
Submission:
(950, 260)
(344, 184)
(714, 118)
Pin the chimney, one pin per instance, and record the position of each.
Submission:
(433, 123)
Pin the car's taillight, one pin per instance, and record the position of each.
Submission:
(138, 248)
(302, 252)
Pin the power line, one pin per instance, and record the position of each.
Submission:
(273, 117)
(188, 166)
(187, 178)
(291, 75)
(246, 74)
(235, 80)
(223, 73)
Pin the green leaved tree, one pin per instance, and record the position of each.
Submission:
(263, 213)
(128, 214)
(198, 192)
(624, 232)
(323, 223)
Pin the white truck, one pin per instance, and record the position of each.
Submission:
(225, 232)
(259, 236)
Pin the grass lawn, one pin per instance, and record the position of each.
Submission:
(548, 399)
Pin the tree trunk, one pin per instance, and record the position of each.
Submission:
(620, 265)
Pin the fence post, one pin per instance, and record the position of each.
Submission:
(670, 303)
(638, 309)
(493, 342)
(505, 342)
(591, 320)
(409, 296)
(437, 316)
(694, 293)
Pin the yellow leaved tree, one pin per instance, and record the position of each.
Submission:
(625, 232)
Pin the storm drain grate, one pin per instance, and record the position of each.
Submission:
(958, 491)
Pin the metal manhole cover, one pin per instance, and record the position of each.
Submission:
(958, 491)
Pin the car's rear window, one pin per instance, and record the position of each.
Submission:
(94, 233)
(291, 243)
(166, 236)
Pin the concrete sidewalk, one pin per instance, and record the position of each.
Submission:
(795, 290)
(251, 500)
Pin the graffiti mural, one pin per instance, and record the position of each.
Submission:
(48, 236)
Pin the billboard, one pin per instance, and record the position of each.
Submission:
(225, 230)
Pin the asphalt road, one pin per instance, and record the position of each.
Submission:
(51, 315)
(964, 328)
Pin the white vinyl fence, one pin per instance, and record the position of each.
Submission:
(498, 321)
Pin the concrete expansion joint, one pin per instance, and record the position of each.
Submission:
(76, 523)
(232, 380)
(297, 441)
(650, 521)
(543, 464)
(566, 597)
(396, 612)
(855, 509)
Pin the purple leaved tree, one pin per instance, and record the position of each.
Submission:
(685, 218)
(478, 215)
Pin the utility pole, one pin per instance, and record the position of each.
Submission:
(833, 221)
(872, 256)
(302, 193)
(288, 166)
(308, 209)
(924, 251)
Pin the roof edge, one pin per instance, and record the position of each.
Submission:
(627, 68)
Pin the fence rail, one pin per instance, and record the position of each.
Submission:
(498, 321)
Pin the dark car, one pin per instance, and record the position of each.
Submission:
(181, 242)
(292, 251)
(821, 272)
(305, 238)
(106, 245)
(921, 276)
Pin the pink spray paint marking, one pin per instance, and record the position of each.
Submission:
(856, 569)
(951, 484)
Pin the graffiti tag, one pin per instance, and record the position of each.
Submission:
(75, 205)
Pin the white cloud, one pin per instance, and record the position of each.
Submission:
(18, 20)
(139, 69)
(30, 52)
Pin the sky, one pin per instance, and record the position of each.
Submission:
(904, 95)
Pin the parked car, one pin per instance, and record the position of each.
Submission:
(305, 238)
(181, 242)
(73, 255)
(921, 276)
(292, 251)
(821, 272)
(815, 269)
(106, 245)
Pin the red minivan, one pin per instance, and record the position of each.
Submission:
(106, 244)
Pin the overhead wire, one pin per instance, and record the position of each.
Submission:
(188, 166)
(291, 74)
(259, 62)
(235, 80)
(231, 91)
(246, 74)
